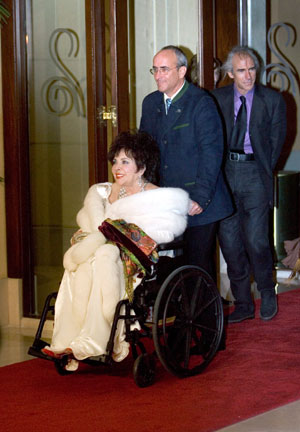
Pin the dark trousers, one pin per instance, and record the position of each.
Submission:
(244, 237)
(200, 246)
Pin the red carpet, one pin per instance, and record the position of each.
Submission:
(259, 370)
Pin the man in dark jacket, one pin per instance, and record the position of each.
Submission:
(253, 147)
(184, 121)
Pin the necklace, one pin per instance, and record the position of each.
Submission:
(123, 192)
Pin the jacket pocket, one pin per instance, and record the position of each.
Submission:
(181, 126)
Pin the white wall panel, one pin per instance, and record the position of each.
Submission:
(159, 23)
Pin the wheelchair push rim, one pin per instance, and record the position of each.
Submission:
(188, 321)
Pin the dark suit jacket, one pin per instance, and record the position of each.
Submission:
(267, 127)
(191, 144)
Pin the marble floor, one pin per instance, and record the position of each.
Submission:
(14, 344)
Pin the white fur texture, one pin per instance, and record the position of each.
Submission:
(161, 213)
(82, 251)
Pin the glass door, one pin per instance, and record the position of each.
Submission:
(58, 138)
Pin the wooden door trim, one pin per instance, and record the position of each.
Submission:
(119, 63)
(96, 91)
(16, 148)
(206, 44)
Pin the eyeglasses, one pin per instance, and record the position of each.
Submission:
(163, 70)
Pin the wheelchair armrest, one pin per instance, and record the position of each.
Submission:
(174, 245)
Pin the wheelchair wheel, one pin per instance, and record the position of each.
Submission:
(144, 370)
(188, 321)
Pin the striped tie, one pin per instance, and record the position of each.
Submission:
(168, 103)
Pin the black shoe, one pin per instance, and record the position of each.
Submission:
(268, 307)
(241, 313)
(226, 302)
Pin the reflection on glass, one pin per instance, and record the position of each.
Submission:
(58, 132)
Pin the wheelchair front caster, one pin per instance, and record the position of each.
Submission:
(144, 370)
(60, 366)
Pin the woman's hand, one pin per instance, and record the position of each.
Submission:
(194, 208)
(78, 236)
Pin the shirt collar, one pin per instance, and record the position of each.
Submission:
(174, 95)
(248, 95)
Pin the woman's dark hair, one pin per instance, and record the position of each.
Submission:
(141, 147)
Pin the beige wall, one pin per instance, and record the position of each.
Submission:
(167, 23)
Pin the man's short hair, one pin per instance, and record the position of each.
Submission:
(181, 57)
(243, 51)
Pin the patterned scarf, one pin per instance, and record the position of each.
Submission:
(137, 250)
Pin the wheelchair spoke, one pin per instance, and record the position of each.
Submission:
(187, 347)
(205, 307)
(205, 328)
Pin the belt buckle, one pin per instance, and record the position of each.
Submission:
(234, 156)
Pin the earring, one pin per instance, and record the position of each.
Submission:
(140, 182)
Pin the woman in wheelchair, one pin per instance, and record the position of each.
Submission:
(94, 280)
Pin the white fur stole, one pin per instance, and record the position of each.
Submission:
(161, 213)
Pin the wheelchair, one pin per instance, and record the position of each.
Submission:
(179, 311)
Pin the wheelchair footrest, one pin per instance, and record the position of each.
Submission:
(36, 350)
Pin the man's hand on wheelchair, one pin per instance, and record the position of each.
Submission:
(194, 208)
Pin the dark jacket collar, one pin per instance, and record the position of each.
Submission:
(181, 93)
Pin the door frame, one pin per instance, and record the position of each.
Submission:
(16, 149)
(96, 88)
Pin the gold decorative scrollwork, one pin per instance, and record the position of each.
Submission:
(284, 70)
(61, 93)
